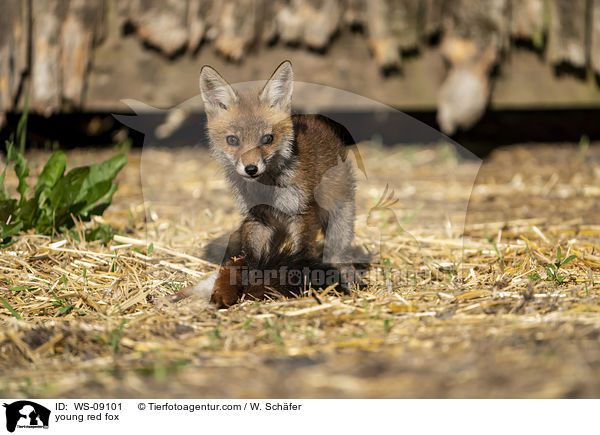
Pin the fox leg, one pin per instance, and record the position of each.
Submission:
(303, 230)
(220, 250)
(256, 237)
(339, 233)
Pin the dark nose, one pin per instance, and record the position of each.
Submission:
(251, 169)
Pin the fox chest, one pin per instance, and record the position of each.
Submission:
(290, 200)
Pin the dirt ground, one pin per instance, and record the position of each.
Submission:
(461, 301)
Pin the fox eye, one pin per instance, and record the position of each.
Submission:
(232, 140)
(266, 139)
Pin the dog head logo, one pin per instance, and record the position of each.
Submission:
(26, 414)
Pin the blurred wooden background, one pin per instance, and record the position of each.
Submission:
(458, 56)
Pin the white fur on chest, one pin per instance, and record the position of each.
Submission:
(290, 200)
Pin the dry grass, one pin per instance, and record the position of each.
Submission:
(443, 316)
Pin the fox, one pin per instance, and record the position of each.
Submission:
(289, 175)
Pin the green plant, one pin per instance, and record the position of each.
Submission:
(387, 269)
(65, 306)
(387, 325)
(583, 146)
(275, 333)
(214, 336)
(116, 334)
(11, 309)
(58, 199)
(492, 242)
(552, 269)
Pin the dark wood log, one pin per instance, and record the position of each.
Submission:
(475, 33)
(383, 40)
(465, 93)
(236, 27)
(309, 22)
(46, 90)
(595, 37)
(567, 37)
(159, 23)
(354, 14)
(197, 24)
(63, 33)
(528, 21)
(79, 30)
(433, 12)
(481, 21)
(14, 42)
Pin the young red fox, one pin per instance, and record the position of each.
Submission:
(289, 174)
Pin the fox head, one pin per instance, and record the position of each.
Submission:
(249, 131)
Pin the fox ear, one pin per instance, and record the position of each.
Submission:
(279, 88)
(217, 94)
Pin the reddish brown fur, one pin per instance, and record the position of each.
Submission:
(308, 184)
(318, 147)
(235, 280)
(228, 288)
(236, 120)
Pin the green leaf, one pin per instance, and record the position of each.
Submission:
(102, 232)
(27, 213)
(22, 126)
(5, 243)
(59, 199)
(10, 309)
(52, 172)
(106, 170)
(63, 200)
(21, 171)
(109, 169)
(92, 195)
(21, 168)
(569, 258)
(103, 203)
(67, 190)
(3, 192)
(97, 190)
(9, 230)
(21, 288)
(558, 255)
(7, 209)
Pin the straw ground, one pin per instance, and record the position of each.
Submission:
(492, 314)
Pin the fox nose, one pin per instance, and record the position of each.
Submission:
(251, 169)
